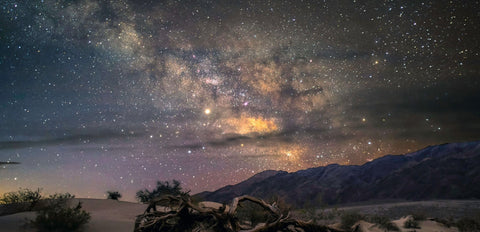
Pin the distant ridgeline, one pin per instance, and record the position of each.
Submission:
(448, 171)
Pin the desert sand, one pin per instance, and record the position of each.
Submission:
(111, 215)
(107, 215)
(425, 226)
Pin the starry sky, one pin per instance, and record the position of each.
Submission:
(115, 95)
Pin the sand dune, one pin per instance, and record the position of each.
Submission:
(107, 215)
(425, 226)
(12, 223)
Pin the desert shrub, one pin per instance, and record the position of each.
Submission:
(163, 188)
(196, 199)
(384, 223)
(330, 215)
(349, 219)
(419, 216)
(468, 224)
(114, 195)
(411, 223)
(60, 198)
(57, 216)
(281, 204)
(313, 209)
(253, 213)
(22, 196)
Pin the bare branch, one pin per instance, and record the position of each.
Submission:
(187, 216)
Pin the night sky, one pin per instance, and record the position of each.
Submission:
(115, 95)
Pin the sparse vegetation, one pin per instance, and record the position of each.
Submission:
(348, 219)
(22, 196)
(163, 188)
(252, 213)
(419, 216)
(411, 224)
(57, 216)
(113, 195)
(281, 204)
(468, 224)
(61, 197)
(384, 223)
(310, 210)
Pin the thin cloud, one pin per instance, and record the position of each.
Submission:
(286, 136)
(8, 163)
(72, 139)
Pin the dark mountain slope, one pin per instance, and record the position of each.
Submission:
(448, 171)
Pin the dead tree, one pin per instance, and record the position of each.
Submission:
(181, 215)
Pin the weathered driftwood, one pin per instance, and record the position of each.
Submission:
(183, 215)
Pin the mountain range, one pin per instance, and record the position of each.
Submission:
(447, 171)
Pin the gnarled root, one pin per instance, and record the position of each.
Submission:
(187, 216)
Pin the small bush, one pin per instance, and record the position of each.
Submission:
(419, 216)
(57, 216)
(468, 224)
(313, 209)
(281, 204)
(21, 196)
(411, 223)
(384, 223)
(253, 213)
(113, 195)
(349, 219)
(61, 198)
(163, 188)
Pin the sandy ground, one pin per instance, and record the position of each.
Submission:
(110, 215)
(425, 226)
(107, 215)
(432, 209)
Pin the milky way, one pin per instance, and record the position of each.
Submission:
(114, 95)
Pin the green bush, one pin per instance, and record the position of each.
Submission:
(411, 223)
(57, 216)
(384, 223)
(113, 195)
(349, 219)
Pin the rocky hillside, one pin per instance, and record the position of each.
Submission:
(448, 171)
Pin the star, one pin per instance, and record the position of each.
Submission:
(130, 93)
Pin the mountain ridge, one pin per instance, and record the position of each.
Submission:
(446, 171)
